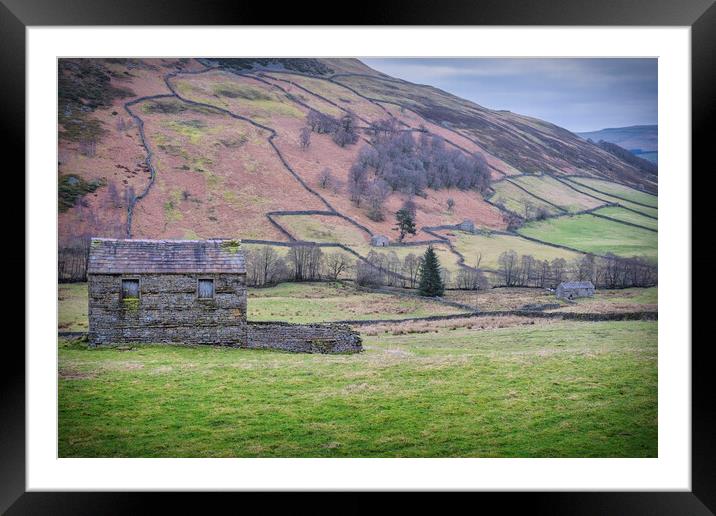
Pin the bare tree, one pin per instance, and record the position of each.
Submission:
(268, 259)
(115, 200)
(527, 270)
(321, 123)
(478, 260)
(445, 276)
(345, 133)
(335, 264)
(252, 268)
(411, 269)
(370, 272)
(72, 259)
(544, 273)
(357, 183)
(559, 271)
(325, 179)
(304, 138)
(613, 271)
(393, 267)
(123, 124)
(529, 209)
(305, 260)
(450, 204)
(584, 268)
(376, 194)
(508, 267)
(471, 279)
(88, 147)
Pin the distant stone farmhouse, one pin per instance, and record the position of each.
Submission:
(379, 241)
(575, 289)
(191, 291)
(466, 225)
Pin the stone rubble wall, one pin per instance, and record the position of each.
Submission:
(303, 338)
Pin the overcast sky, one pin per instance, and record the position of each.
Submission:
(578, 94)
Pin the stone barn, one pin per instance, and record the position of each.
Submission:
(575, 289)
(379, 241)
(188, 291)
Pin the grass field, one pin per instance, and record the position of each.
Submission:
(619, 190)
(72, 307)
(625, 300)
(618, 213)
(557, 193)
(336, 93)
(511, 389)
(650, 212)
(595, 235)
(324, 228)
(515, 199)
(503, 298)
(243, 95)
(604, 301)
(491, 246)
(313, 302)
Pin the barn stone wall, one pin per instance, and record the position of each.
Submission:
(303, 338)
(168, 310)
(574, 293)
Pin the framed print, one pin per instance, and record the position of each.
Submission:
(426, 251)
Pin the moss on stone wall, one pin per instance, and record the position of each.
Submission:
(232, 246)
(131, 303)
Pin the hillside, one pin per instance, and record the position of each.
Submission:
(187, 148)
(642, 140)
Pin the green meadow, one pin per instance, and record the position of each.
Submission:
(596, 235)
(564, 389)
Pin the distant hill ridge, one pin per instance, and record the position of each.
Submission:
(641, 140)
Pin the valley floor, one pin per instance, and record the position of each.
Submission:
(473, 387)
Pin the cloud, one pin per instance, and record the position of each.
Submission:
(557, 90)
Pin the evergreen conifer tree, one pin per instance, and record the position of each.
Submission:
(431, 284)
(405, 222)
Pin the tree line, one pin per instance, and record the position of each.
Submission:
(395, 161)
(308, 262)
(343, 130)
(303, 262)
(609, 271)
(423, 272)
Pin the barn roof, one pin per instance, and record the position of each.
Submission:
(577, 284)
(113, 256)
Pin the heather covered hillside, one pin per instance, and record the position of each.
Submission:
(323, 150)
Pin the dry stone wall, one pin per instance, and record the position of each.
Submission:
(304, 338)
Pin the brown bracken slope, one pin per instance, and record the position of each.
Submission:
(186, 148)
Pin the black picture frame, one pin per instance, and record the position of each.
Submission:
(700, 15)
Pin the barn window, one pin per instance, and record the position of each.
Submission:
(206, 288)
(130, 289)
